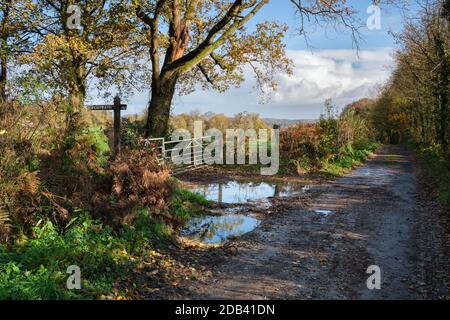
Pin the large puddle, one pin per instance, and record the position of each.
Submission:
(234, 192)
(218, 229)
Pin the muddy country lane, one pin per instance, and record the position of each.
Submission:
(321, 246)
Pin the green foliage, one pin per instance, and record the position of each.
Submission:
(146, 229)
(195, 198)
(86, 147)
(186, 204)
(328, 131)
(437, 167)
(413, 106)
(349, 157)
(36, 269)
(332, 145)
(131, 133)
(98, 142)
(19, 283)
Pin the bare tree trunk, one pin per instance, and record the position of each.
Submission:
(3, 77)
(77, 94)
(76, 84)
(163, 90)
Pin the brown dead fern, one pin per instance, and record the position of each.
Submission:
(5, 226)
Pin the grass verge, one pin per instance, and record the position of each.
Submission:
(347, 159)
(36, 268)
(437, 169)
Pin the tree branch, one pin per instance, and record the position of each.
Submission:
(205, 74)
(206, 47)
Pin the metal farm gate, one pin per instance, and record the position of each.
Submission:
(167, 150)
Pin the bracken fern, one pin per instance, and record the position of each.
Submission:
(5, 225)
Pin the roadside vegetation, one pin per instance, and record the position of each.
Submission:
(437, 169)
(64, 201)
(414, 106)
(332, 146)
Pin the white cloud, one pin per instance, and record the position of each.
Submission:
(342, 75)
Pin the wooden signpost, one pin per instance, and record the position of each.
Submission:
(116, 107)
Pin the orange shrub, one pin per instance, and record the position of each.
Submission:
(135, 180)
(299, 140)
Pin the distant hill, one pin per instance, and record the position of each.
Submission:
(284, 123)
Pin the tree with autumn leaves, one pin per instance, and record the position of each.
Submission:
(102, 46)
(414, 106)
(17, 21)
(207, 42)
(175, 44)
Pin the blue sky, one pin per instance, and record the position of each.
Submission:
(330, 68)
(282, 10)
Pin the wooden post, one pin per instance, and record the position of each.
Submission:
(117, 108)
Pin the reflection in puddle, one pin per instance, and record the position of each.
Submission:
(217, 229)
(324, 212)
(234, 192)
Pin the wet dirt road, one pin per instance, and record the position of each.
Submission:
(378, 217)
